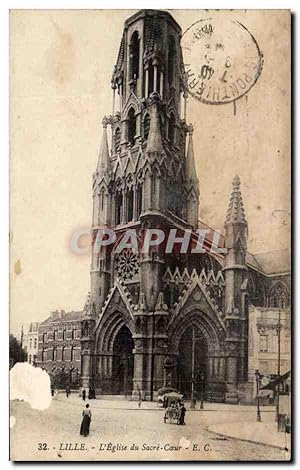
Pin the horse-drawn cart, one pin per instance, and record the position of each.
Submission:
(172, 404)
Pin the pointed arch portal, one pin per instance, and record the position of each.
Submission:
(123, 362)
(185, 359)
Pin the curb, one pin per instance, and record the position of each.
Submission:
(247, 440)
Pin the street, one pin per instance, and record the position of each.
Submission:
(121, 431)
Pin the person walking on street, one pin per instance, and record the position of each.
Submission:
(83, 394)
(67, 391)
(182, 414)
(86, 421)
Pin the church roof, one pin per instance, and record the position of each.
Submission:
(121, 53)
(271, 262)
(62, 316)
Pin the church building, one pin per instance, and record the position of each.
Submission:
(155, 319)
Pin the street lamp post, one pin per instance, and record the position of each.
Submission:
(194, 339)
(202, 379)
(278, 329)
(258, 417)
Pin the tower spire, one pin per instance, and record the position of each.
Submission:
(191, 174)
(236, 212)
(103, 164)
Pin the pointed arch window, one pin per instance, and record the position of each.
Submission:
(151, 77)
(139, 199)
(146, 126)
(134, 55)
(119, 207)
(279, 297)
(102, 197)
(117, 139)
(171, 60)
(131, 126)
(130, 205)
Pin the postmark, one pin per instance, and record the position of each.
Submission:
(222, 60)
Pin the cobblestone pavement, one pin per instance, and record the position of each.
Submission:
(55, 429)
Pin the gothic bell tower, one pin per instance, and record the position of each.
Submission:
(145, 178)
(147, 175)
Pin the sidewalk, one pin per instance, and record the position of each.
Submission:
(128, 404)
(259, 433)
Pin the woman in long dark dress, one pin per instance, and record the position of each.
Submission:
(86, 421)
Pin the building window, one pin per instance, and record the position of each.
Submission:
(35, 343)
(117, 139)
(263, 343)
(131, 126)
(279, 297)
(30, 343)
(63, 353)
(146, 126)
(139, 200)
(34, 359)
(119, 207)
(45, 337)
(55, 335)
(64, 334)
(102, 196)
(54, 357)
(43, 355)
(171, 60)
(72, 353)
(129, 205)
(150, 78)
(134, 55)
(29, 358)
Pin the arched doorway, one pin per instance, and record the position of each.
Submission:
(192, 360)
(123, 362)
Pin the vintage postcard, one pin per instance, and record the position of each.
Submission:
(150, 235)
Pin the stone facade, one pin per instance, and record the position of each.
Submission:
(263, 340)
(139, 316)
(30, 343)
(59, 346)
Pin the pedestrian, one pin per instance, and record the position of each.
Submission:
(52, 391)
(182, 414)
(83, 394)
(140, 399)
(195, 399)
(86, 421)
(67, 391)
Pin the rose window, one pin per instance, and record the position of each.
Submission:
(128, 266)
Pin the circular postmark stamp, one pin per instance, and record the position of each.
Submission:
(222, 60)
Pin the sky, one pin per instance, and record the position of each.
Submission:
(61, 63)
